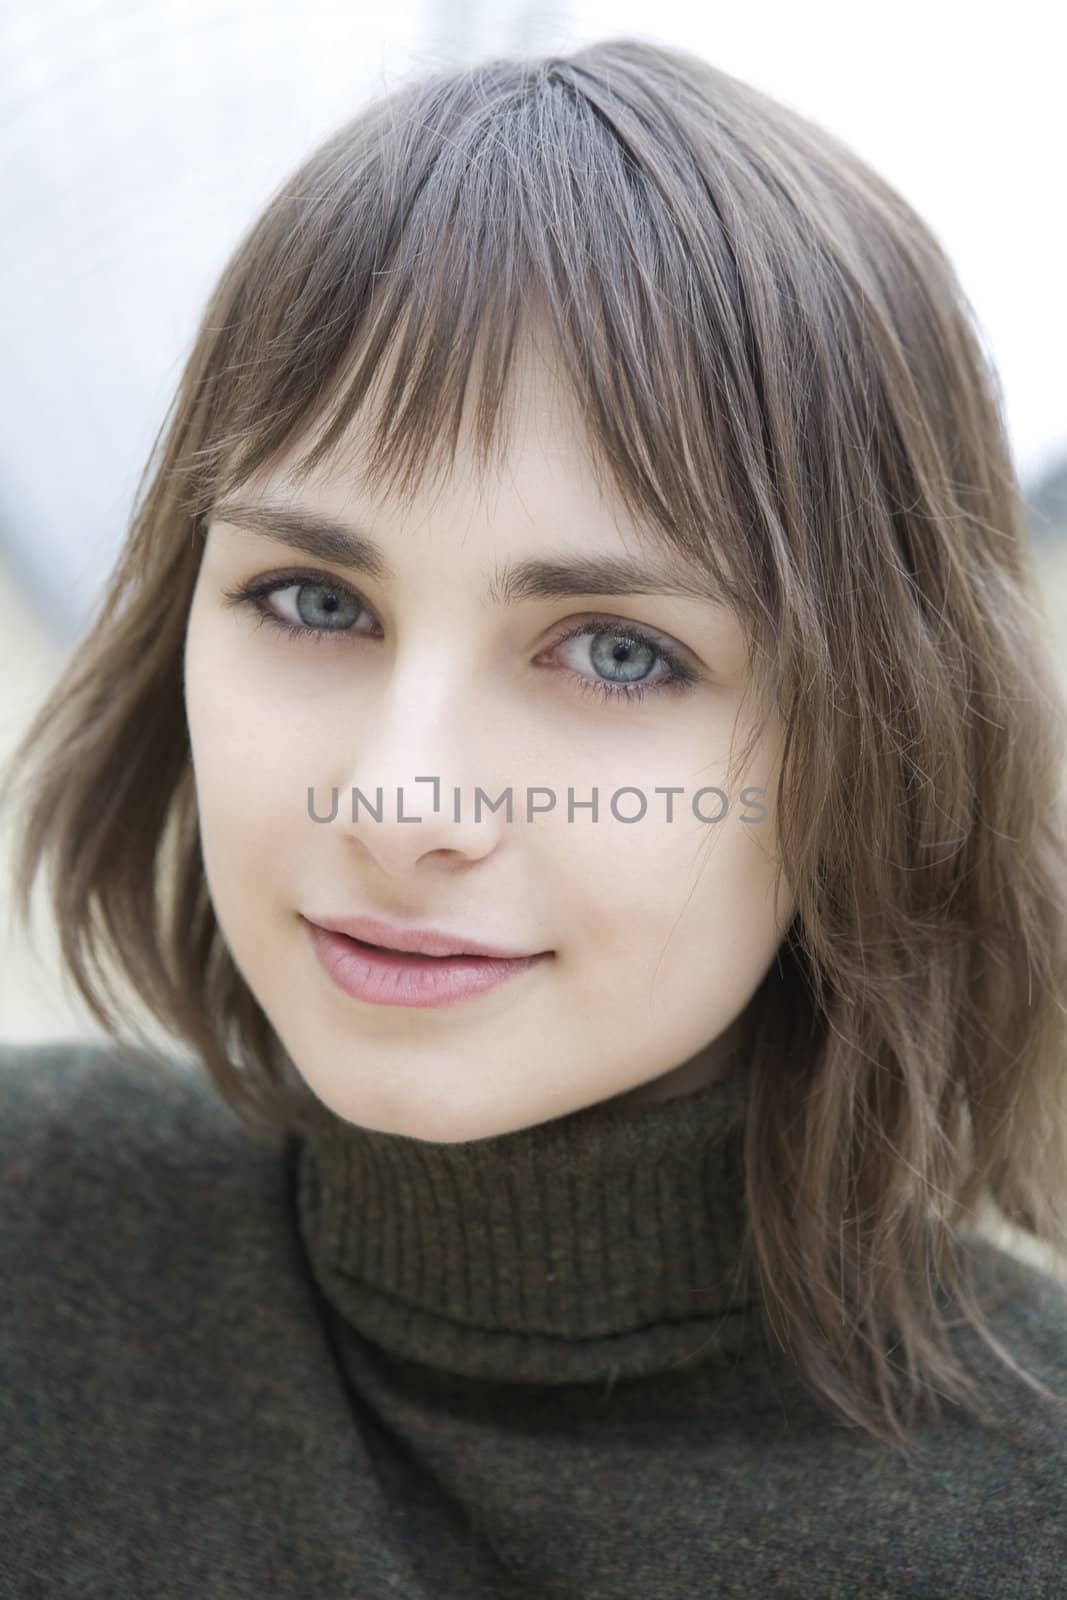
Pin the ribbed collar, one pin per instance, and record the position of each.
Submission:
(600, 1244)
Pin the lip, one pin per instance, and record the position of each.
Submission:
(419, 941)
(395, 978)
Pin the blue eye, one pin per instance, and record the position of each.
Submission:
(627, 645)
(329, 598)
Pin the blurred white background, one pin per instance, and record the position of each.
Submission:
(138, 141)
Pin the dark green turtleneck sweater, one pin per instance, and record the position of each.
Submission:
(368, 1366)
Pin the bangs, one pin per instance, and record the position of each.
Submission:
(439, 235)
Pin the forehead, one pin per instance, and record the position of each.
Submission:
(545, 488)
(539, 434)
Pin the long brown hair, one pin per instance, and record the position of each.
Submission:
(780, 373)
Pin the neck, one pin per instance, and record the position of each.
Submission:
(604, 1242)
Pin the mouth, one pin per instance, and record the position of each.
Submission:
(412, 956)
(379, 975)
(376, 934)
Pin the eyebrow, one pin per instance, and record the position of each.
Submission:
(342, 545)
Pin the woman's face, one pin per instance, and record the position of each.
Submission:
(652, 934)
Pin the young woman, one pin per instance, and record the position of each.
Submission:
(571, 752)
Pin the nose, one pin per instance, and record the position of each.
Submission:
(417, 785)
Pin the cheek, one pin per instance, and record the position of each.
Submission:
(241, 737)
(625, 884)
(245, 768)
(671, 896)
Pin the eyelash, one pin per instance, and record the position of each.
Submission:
(682, 677)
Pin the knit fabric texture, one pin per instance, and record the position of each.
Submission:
(363, 1365)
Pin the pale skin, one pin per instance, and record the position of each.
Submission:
(659, 934)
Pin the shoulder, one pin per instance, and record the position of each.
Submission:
(998, 1479)
(1024, 1300)
(99, 1140)
(86, 1086)
(44, 1084)
(158, 1339)
(136, 1208)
